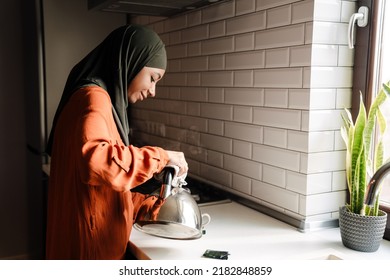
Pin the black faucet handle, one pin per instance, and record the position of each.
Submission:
(375, 182)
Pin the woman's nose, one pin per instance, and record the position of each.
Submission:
(152, 90)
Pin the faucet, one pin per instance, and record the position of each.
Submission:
(375, 183)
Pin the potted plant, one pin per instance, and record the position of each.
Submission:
(359, 218)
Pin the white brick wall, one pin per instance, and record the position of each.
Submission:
(253, 95)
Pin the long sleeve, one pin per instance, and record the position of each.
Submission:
(104, 159)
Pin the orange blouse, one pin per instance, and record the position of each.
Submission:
(90, 206)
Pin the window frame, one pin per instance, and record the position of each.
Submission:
(366, 57)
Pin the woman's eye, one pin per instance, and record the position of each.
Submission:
(152, 79)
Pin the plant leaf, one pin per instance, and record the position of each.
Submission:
(386, 88)
(379, 149)
(358, 156)
(361, 183)
(381, 122)
(368, 131)
(347, 132)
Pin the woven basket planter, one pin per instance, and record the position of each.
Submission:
(361, 233)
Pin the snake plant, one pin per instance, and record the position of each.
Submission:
(358, 137)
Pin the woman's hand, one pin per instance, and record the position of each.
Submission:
(177, 158)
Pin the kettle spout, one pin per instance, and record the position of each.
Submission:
(375, 183)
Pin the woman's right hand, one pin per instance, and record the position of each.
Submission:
(177, 158)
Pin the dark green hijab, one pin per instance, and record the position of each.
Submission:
(112, 65)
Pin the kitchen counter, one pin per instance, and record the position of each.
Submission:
(248, 234)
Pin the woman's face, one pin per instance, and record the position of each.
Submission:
(144, 84)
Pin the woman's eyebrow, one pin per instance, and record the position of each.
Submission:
(158, 75)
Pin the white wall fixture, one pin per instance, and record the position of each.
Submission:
(361, 18)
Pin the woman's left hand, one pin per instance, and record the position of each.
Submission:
(178, 159)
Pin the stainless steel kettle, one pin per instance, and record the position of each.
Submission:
(171, 212)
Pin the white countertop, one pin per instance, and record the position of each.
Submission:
(248, 234)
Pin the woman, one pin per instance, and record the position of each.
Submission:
(93, 166)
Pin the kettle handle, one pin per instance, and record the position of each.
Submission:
(208, 219)
(168, 173)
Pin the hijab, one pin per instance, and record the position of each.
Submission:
(112, 65)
